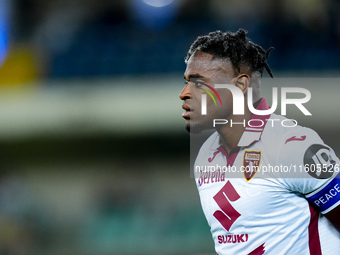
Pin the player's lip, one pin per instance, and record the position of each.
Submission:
(187, 112)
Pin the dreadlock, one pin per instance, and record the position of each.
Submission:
(233, 46)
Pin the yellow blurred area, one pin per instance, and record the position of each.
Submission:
(20, 66)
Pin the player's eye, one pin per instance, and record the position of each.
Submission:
(199, 83)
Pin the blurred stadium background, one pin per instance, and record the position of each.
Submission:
(94, 155)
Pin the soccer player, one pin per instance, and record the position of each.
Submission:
(266, 184)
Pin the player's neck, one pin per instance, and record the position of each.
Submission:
(230, 135)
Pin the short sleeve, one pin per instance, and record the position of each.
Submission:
(314, 168)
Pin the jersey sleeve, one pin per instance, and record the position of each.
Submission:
(315, 169)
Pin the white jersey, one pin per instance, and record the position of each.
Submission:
(260, 199)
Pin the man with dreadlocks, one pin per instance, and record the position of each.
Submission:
(249, 211)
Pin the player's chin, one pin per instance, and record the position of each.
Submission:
(194, 128)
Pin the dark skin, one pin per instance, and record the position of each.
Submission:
(334, 217)
(202, 66)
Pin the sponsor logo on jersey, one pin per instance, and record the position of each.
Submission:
(251, 162)
(294, 138)
(207, 177)
(241, 238)
(318, 162)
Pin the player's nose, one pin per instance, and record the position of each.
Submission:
(185, 93)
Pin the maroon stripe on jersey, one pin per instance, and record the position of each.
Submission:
(258, 251)
(313, 232)
(256, 124)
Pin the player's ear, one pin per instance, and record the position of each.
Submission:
(242, 82)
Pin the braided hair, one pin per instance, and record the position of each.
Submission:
(233, 46)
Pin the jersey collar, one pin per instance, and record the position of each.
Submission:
(255, 126)
(251, 134)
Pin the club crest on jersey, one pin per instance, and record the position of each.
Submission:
(251, 162)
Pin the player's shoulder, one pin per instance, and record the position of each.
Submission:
(309, 162)
(290, 143)
(300, 147)
(287, 135)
